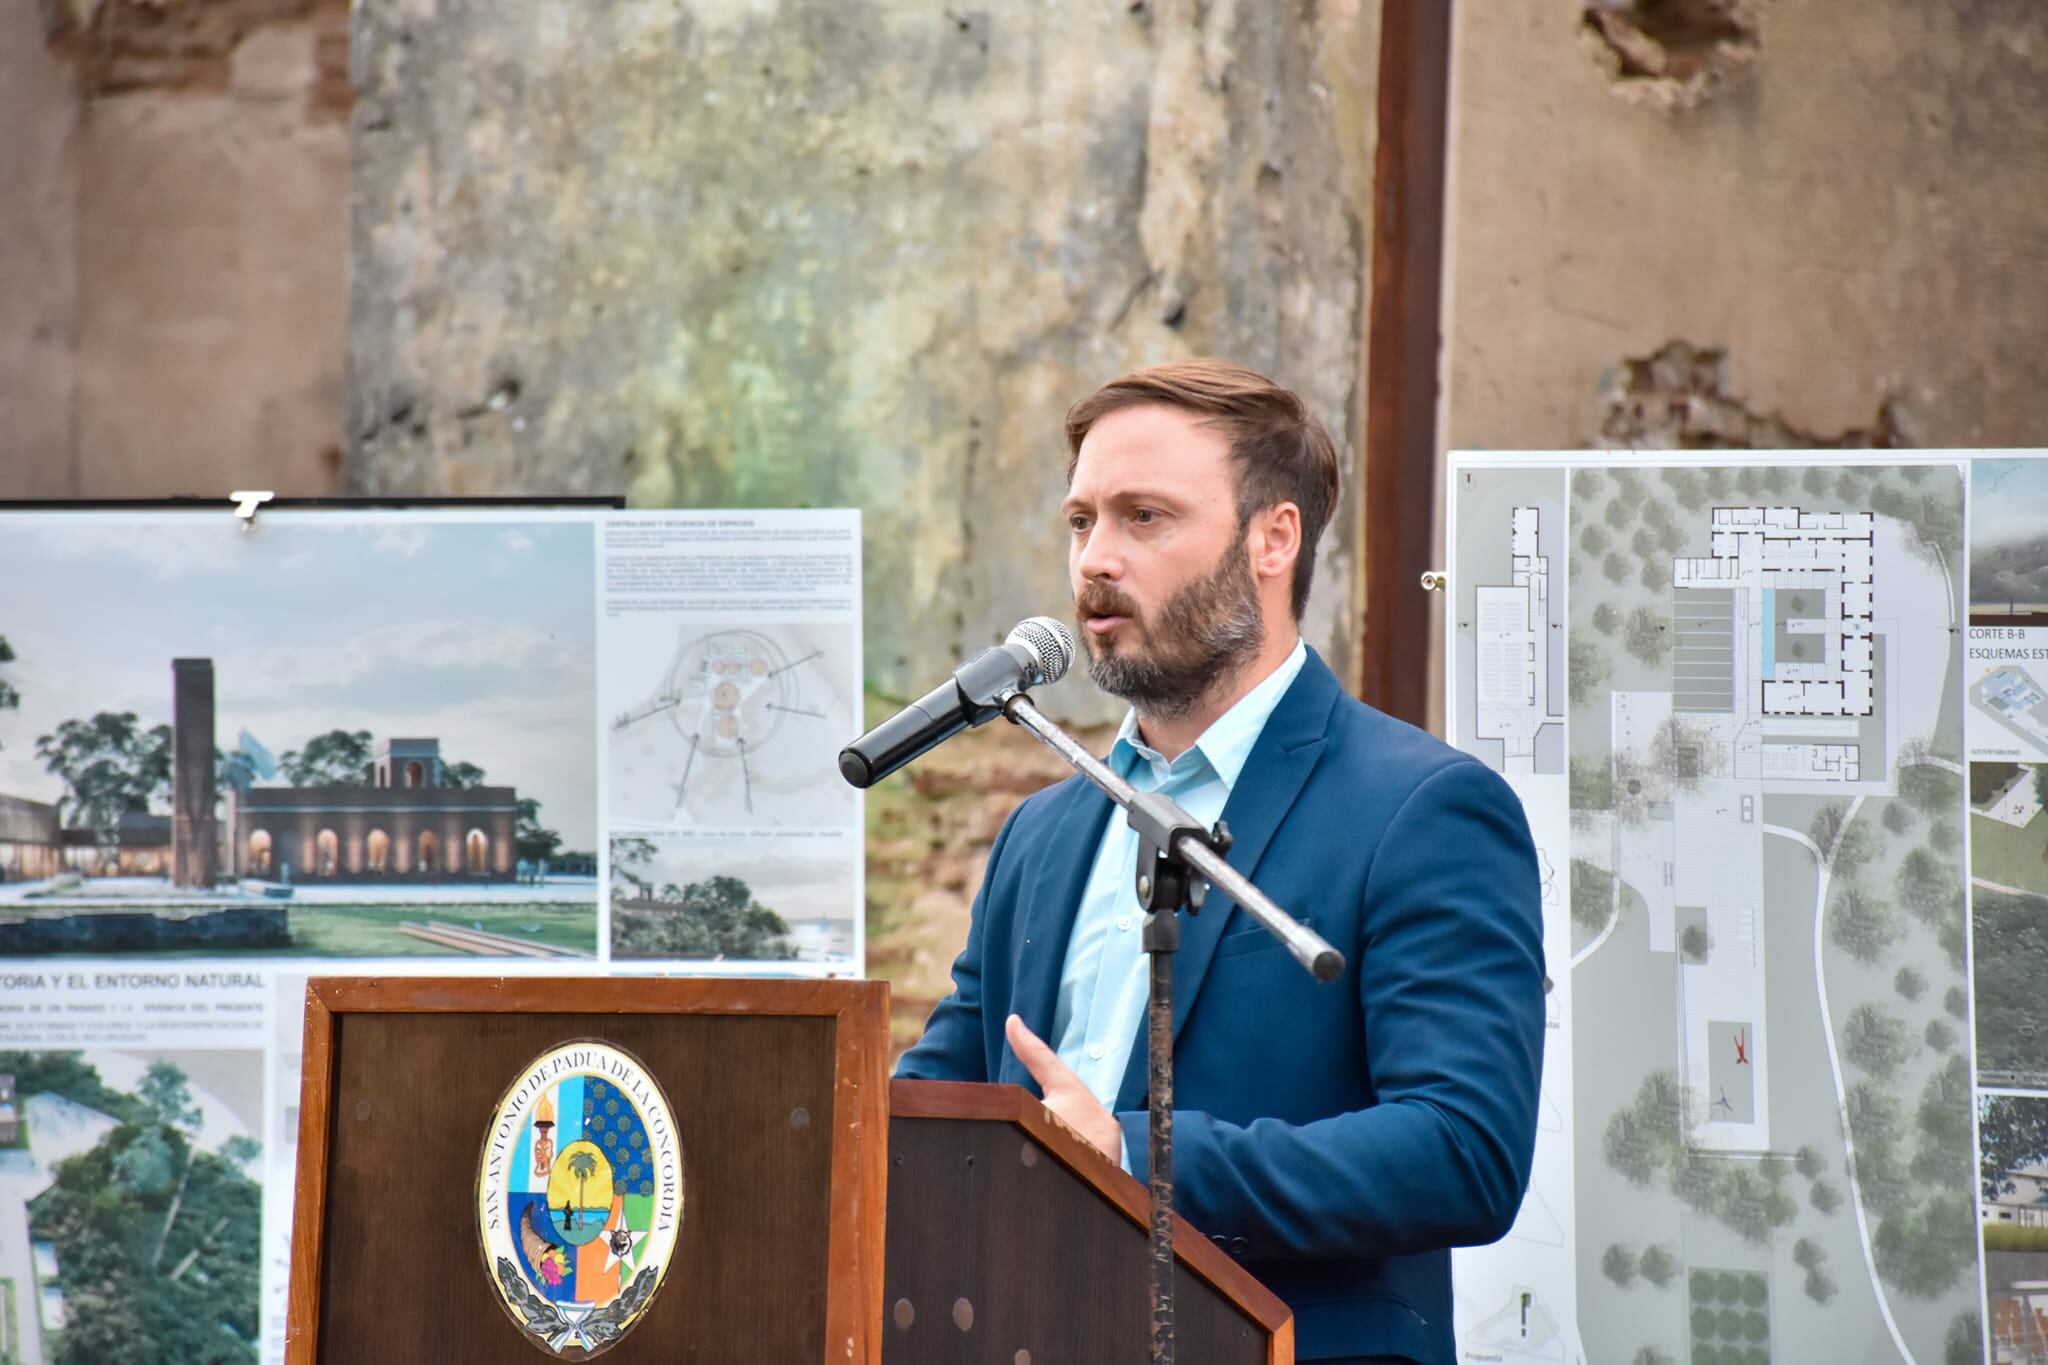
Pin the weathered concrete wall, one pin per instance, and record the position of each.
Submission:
(1852, 201)
(38, 259)
(172, 306)
(858, 252)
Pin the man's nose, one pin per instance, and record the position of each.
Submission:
(1100, 555)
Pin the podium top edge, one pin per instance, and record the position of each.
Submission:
(593, 995)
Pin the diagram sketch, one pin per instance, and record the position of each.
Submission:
(2009, 696)
(740, 729)
(1523, 1332)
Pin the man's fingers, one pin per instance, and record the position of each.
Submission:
(1066, 1099)
(1041, 1061)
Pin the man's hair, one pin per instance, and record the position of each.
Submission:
(1279, 452)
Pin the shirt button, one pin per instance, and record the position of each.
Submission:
(1123, 921)
(1095, 1051)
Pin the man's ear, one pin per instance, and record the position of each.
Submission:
(1274, 541)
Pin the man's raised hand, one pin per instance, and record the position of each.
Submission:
(1070, 1101)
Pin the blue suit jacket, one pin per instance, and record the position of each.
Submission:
(1336, 1138)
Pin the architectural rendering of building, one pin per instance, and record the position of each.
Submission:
(403, 824)
(2025, 1204)
(31, 840)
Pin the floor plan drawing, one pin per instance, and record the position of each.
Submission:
(1513, 632)
(1510, 626)
(1806, 623)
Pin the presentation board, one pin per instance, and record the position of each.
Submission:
(497, 740)
(1779, 724)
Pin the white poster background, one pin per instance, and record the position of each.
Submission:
(494, 632)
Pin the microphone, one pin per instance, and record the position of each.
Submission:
(1039, 650)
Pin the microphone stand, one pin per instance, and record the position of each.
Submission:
(1172, 848)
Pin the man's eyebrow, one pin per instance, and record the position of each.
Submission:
(1161, 494)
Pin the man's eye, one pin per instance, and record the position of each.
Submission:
(1077, 525)
(1144, 516)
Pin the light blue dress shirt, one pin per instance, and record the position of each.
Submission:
(1104, 981)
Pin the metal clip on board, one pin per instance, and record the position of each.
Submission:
(247, 502)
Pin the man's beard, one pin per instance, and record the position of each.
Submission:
(1204, 636)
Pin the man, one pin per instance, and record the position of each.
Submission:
(1336, 1138)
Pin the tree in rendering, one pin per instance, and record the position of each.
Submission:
(10, 695)
(1658, 1266)
(1931, 788)
(1592, 896)
(1923, 1250)
(1928, 888)
(533, 841)
(111, 767)
(1862, 924)
(339, 758)
(1585, 670)
(2012, 1134)
(167, 1095)
(715, 918)
(1945, 1154)
(1876, 1040)
(1964, 1344)
(1647, 636)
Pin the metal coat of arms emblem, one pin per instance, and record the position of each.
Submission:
(580, 1197)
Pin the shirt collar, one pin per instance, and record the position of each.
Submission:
(1228, 741)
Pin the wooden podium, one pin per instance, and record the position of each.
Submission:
(1014, 1242)
(779, 1091)
(1009, 1240)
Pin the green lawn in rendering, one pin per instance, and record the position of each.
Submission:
(372, 930)
(2010, 856)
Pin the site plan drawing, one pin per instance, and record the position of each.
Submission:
(1752, 671)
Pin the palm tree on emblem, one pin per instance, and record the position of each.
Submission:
(582, 1165)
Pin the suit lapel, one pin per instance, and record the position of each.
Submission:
(1273, 776)
(1052, 893)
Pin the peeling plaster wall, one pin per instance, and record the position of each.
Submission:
(172, 302)
(852, 252)
(39, 263)
(1858, 216)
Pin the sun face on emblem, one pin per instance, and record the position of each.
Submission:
(580, 1197)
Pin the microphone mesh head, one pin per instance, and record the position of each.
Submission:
(1051, 643)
